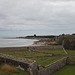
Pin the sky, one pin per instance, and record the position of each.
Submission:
(40, 17)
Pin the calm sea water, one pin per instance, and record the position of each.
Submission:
(15, 42)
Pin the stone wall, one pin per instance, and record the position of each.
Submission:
(71, 60)
(49, 69)
(31, 66)
(30, 47)
(68, 42)
(45, 47)
(21, 63)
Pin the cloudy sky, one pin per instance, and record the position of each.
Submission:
(41, 17)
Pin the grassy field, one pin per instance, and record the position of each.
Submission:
(46, 60)
(23, 53)
(71, 52)
(66, 70)
(39, 52)
(10, 70)
(55, 51)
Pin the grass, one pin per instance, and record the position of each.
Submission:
(71, 52)
(22, 53)
(55, 51)
(10, 70)
(71, 59)
(66, 70)
(39, 52)
(46, 60)
(54, 44)
(26, 53)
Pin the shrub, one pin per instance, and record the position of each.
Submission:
(8, 68)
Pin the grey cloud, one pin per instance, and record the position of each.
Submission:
(37, 14)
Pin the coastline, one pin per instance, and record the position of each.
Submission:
(16, 42)
(36, 41)
(45, 41)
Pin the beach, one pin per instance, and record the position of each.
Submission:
(16, 42)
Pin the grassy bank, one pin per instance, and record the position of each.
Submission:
(10, 70)
(66, 70)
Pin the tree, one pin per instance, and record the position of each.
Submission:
(34, 35)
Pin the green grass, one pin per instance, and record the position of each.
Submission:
(39, 52)
(23, 53)
(71, 52)
(46, 60)
(10, 70)
(66, 70)
(54, 44)
(55, 51)
(26, 53)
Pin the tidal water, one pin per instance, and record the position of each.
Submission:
(5, 42)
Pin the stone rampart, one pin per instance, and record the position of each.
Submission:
(24, 64)
(71, 62)
(49, 69)
(31, 66)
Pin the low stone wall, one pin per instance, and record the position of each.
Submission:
(30, 47)
(71, 62)
(45, 47)
(31, 66)
(49, 69)
(39, 56)
(13, 48)
(24, 64)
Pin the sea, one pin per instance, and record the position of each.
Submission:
(14, 42)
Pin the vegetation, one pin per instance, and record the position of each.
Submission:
(68, 35)
(71, 58)
(55, 51)
(46, 60)
(71, 52)
(50, 36)
(23, 53)
(66, 70)
(39, 52)
(10, 70)
(54, 44)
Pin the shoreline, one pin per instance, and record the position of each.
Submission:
(16, 42)
(36, 42)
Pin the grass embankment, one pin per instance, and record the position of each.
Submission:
(71, 52)
(10, 70)
(66, 70)
(39, 52)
